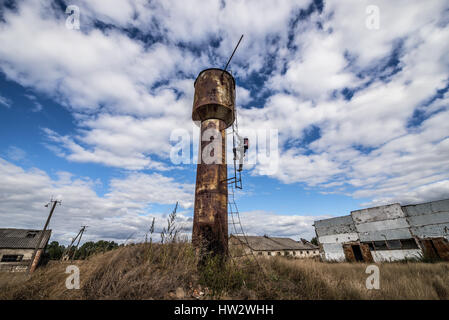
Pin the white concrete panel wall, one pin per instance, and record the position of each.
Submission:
(388, 212)
(380, 235)
(334, 226)
(432, 231)
(381, 223)
(27, 253)
(398, 223)
(427, 208)
(395, 255)
(332, 233)
(390, 222)
(333, 252)
(429, 220)
(339, 238)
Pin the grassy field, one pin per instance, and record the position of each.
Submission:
(169, 271)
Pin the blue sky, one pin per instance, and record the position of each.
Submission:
(86, 115)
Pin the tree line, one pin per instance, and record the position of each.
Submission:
(54, 250)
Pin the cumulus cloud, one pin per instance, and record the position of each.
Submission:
(123, 213)
(378, 100)
(275, 225)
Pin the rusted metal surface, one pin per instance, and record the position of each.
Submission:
(442, 248)
(213, 105)
(366, 252)
(349, 254)
(214, 96)
(436, 248)
(210, 224)
(37, 258)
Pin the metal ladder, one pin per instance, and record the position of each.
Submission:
(235, 225)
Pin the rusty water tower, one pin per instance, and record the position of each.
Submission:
(214, 107)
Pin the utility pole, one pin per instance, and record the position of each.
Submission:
(66, 256)
(37, 253)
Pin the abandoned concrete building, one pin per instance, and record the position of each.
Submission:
(17, 248)
(274, 246)
(387, 233)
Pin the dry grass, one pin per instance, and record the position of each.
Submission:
(308, 279)
(168, 271)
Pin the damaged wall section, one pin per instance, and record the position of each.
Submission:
(332, 233)
(382, 228)
(429, 222)
(387, 233)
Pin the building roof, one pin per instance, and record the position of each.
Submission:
(265, 243)
(22, 238)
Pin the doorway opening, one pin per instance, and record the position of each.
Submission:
(357, 252)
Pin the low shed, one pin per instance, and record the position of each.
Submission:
(275, 246)
(17, 248)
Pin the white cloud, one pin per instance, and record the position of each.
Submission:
(402, 159)
(15, 153)
(124, 211)
(5, 102)
(269, 223)
(37, 105)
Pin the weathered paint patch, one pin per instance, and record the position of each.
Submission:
(403, 233)
(335, 226)
(334, 221)
(383, 225)
(333, 252)
(428, 219)
(388, 212)
(417, 210)
(431, 231)
(427, 208)
(440, 206)
(395, 255)
(339, 238)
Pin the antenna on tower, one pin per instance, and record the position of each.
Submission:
(226, 66)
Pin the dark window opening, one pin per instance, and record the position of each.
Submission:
(394, 244)
(357, 253)
(409, 244)
(380, 245)
(12, 257)
(260, 253)
(269, 253)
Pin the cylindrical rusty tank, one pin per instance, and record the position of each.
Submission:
(214, 106)
(214, 96)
